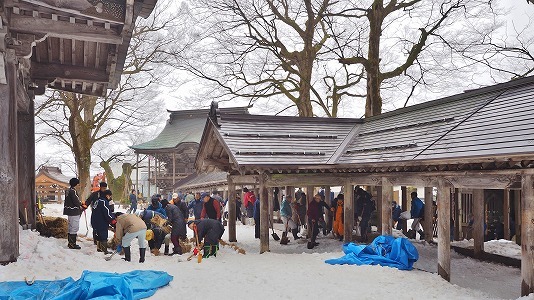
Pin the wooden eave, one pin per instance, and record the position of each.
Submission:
(220, 157)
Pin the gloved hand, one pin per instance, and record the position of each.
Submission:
(119, 248)
(84, 207)
(359, 218)
(195, 251)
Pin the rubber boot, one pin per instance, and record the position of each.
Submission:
(72, 241)
(142, 255)
(127, 254)
(104, 247)
(166, 250)
(294, 232)
(421, 234)
(98, 246)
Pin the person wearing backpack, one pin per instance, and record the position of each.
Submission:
(364, 207)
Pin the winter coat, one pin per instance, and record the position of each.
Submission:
(418, 208)
(363, 205)
(133, 199)
(314, 211)
(209, 230)
(249, 199)
(159, 237)
(101, 216)
(339, 218)
(285, 209)
(396, 212)
(295, 213)
(147, 215)
(158, 209)
(211, 210)
(176, 218)
(128, 223)
(72, 205)
(183, 208)
(257, 211)
(197, 206)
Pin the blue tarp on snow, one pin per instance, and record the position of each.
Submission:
(92, 285)
(384, 251)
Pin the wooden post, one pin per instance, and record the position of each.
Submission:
(349, 211)
(404, 207)
(156, 169)
(429, 197)
(231, 210)
(26, 160)
(379, 204)
(457, 215)
(328, 201)
(137, 176)
(264, 216)
(478, 225)
(444, 230)
(527, 236)
(309, 198)
(387, 197)
(271, 204)
(506, 213)
(173, 170)
(9, 225)
(518, 218)
(148, 193)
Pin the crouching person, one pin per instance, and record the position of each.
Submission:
(210, 231)
(129, 227)
(159, 236)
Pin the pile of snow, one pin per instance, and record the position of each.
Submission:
(500, 247)
(287, 272)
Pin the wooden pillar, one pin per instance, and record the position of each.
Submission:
(156, 169)
(137, 175)
(379, 205)
(328, 201)
(387, 197)
(231, 210)
(9, 224)
(349, 211)
(264, 216)
(457, 215)
(309, 198)
(444, 230)
(429, 197)
(271, 204)
(478, 225)
(148, 193)
(517, 201)
(26, 159)
(173, 170)
(404, 207)
(506, 213)
(527, 236)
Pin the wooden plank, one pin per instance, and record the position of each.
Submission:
(387, 197)
(348, 208)
(518, 217)
(478, 226)
(231, 210)
(506, 213)
(527, 236)
(429, 197)
(264, 216)
(9, 225)
(26, 158)
(58, 71)
(66, 30)
(444, 230)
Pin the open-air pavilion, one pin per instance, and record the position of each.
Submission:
(477, 140)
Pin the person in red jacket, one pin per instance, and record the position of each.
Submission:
(248, 201)
(211, 208)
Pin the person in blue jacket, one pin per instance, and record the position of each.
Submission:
(256, 215)
(196, 205)
(157, 207)
(417, 213)
(395, 215)
(101, 218)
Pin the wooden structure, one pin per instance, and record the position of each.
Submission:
(78, 46)
(50, 184)
(480, 139)
(174, 149)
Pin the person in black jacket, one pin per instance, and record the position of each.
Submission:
(176, 217)
(210, 231)
(93, 198)
(73, 209)
(101, 218)
(364, 208)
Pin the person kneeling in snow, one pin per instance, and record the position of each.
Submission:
(129, 227)
(211, 231)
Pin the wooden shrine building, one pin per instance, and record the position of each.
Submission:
(478, 140)
(77, 46)
(50, 184)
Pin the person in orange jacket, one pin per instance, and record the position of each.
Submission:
(338, 228)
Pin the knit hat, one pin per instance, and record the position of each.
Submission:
(204, 195)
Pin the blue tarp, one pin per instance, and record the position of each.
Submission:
(384, 251)
(92, 285)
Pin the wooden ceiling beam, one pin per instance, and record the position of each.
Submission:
(66, 72)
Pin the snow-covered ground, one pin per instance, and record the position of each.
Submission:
(500, 247)
(287, 272)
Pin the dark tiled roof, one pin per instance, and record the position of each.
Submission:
(53, 173)
(200, 180)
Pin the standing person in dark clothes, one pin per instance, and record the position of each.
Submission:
(237, 207)
(364, 208)
(322, 206)
(395, 215)
(133, 202)
(92, 199)
(302, 203)
(211, 208)
(417, 213)
(196, 205)
(314, 216)
(155, 205)
(177, 200)
(73, 209)
(210, 231)
(177, 220)
(256, 215)
(101, 218)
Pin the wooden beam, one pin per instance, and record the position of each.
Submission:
(231, 210)
(329, 219)
(9, 225)
(271, 204)
(517, 206)
(264, 217)
(429, 199)
(50, 71)
(506, 213)
(444, 230)
(404, 207)
(387, 197)
(478, 225)
(64, 30)
(457, 215)
(348, 208)
(26, 159)
(527, 236)
(378, 199)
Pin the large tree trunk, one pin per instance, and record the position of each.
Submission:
(373, 103)
(119, 186)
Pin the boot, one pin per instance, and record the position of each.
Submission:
(177, 250)
(98, 247)
(421, 234)
(103, 247)
(155, 252)
(142, 255)
(294, 232)
(284, 240)
(127, 254)
(166, 250)
(71, 238)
